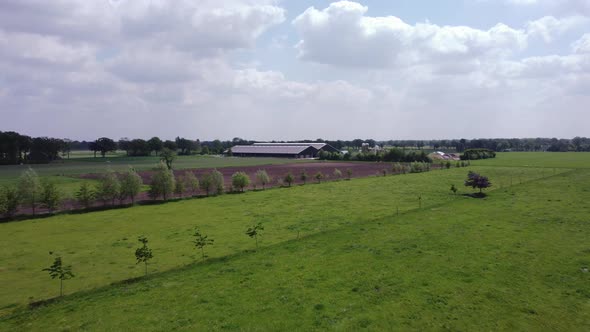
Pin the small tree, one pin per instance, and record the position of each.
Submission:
(50, 196)
(303, 176)
(384, 172)
(108, 187)
(162, 182)
(168, 156)
(206, 183)
(59, 271)
(240, 180)
(85, 195)
(29, 188)
(254, 231)
(191, 183)
(9, 201)
(475, 180)
(319, 176)
(262, 178)
(179, 186)
(217, 181)
(349, 173)
(201, 241)
(454, 189)
(130, 185)
(448, 164)
(143, 254)
(289, 179)
(337, 173)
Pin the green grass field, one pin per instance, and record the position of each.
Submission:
(538, 159)
(517, 260)
(64, 173)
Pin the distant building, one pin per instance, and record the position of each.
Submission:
(439, 155)
(281, 150)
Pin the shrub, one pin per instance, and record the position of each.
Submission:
(240, 180)
(303, 176)
(337, 173)
(262, 178)
(289, 179)
(319, 176)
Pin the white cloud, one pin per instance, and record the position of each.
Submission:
(548, 27)
(582, 45)
(342, 34)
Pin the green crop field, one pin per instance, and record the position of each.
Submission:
(334, 255)
(64, 173)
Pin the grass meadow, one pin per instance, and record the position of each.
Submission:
(335, 255)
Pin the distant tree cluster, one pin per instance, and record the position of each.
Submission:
(386, 155)
(475, 154)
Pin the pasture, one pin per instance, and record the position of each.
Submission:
(335, 255)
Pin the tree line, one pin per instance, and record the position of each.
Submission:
(16, 148)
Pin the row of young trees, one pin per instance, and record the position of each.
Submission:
(29, 192)
(143, 254)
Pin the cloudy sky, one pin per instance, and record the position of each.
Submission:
(264, 69)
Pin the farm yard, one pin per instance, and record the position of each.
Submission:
(380, 252)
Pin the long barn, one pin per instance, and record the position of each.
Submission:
(282, 150)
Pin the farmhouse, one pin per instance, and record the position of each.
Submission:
(281, 150)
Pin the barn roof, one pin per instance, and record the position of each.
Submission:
(270, 149)
(315, 145)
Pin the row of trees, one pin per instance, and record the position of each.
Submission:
(29, 192)
(143, 254)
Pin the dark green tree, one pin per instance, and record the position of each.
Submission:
(201, 241)
(58, 271)
(454, 189)
(143, 254)
(254, 231)
(168, 156)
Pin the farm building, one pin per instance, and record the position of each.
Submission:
(439, 155)
(282, 150)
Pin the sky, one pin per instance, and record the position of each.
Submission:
(288, 70)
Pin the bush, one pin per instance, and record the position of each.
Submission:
(262, 178)
(289, 179)
(240, 180)
(337, 173)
